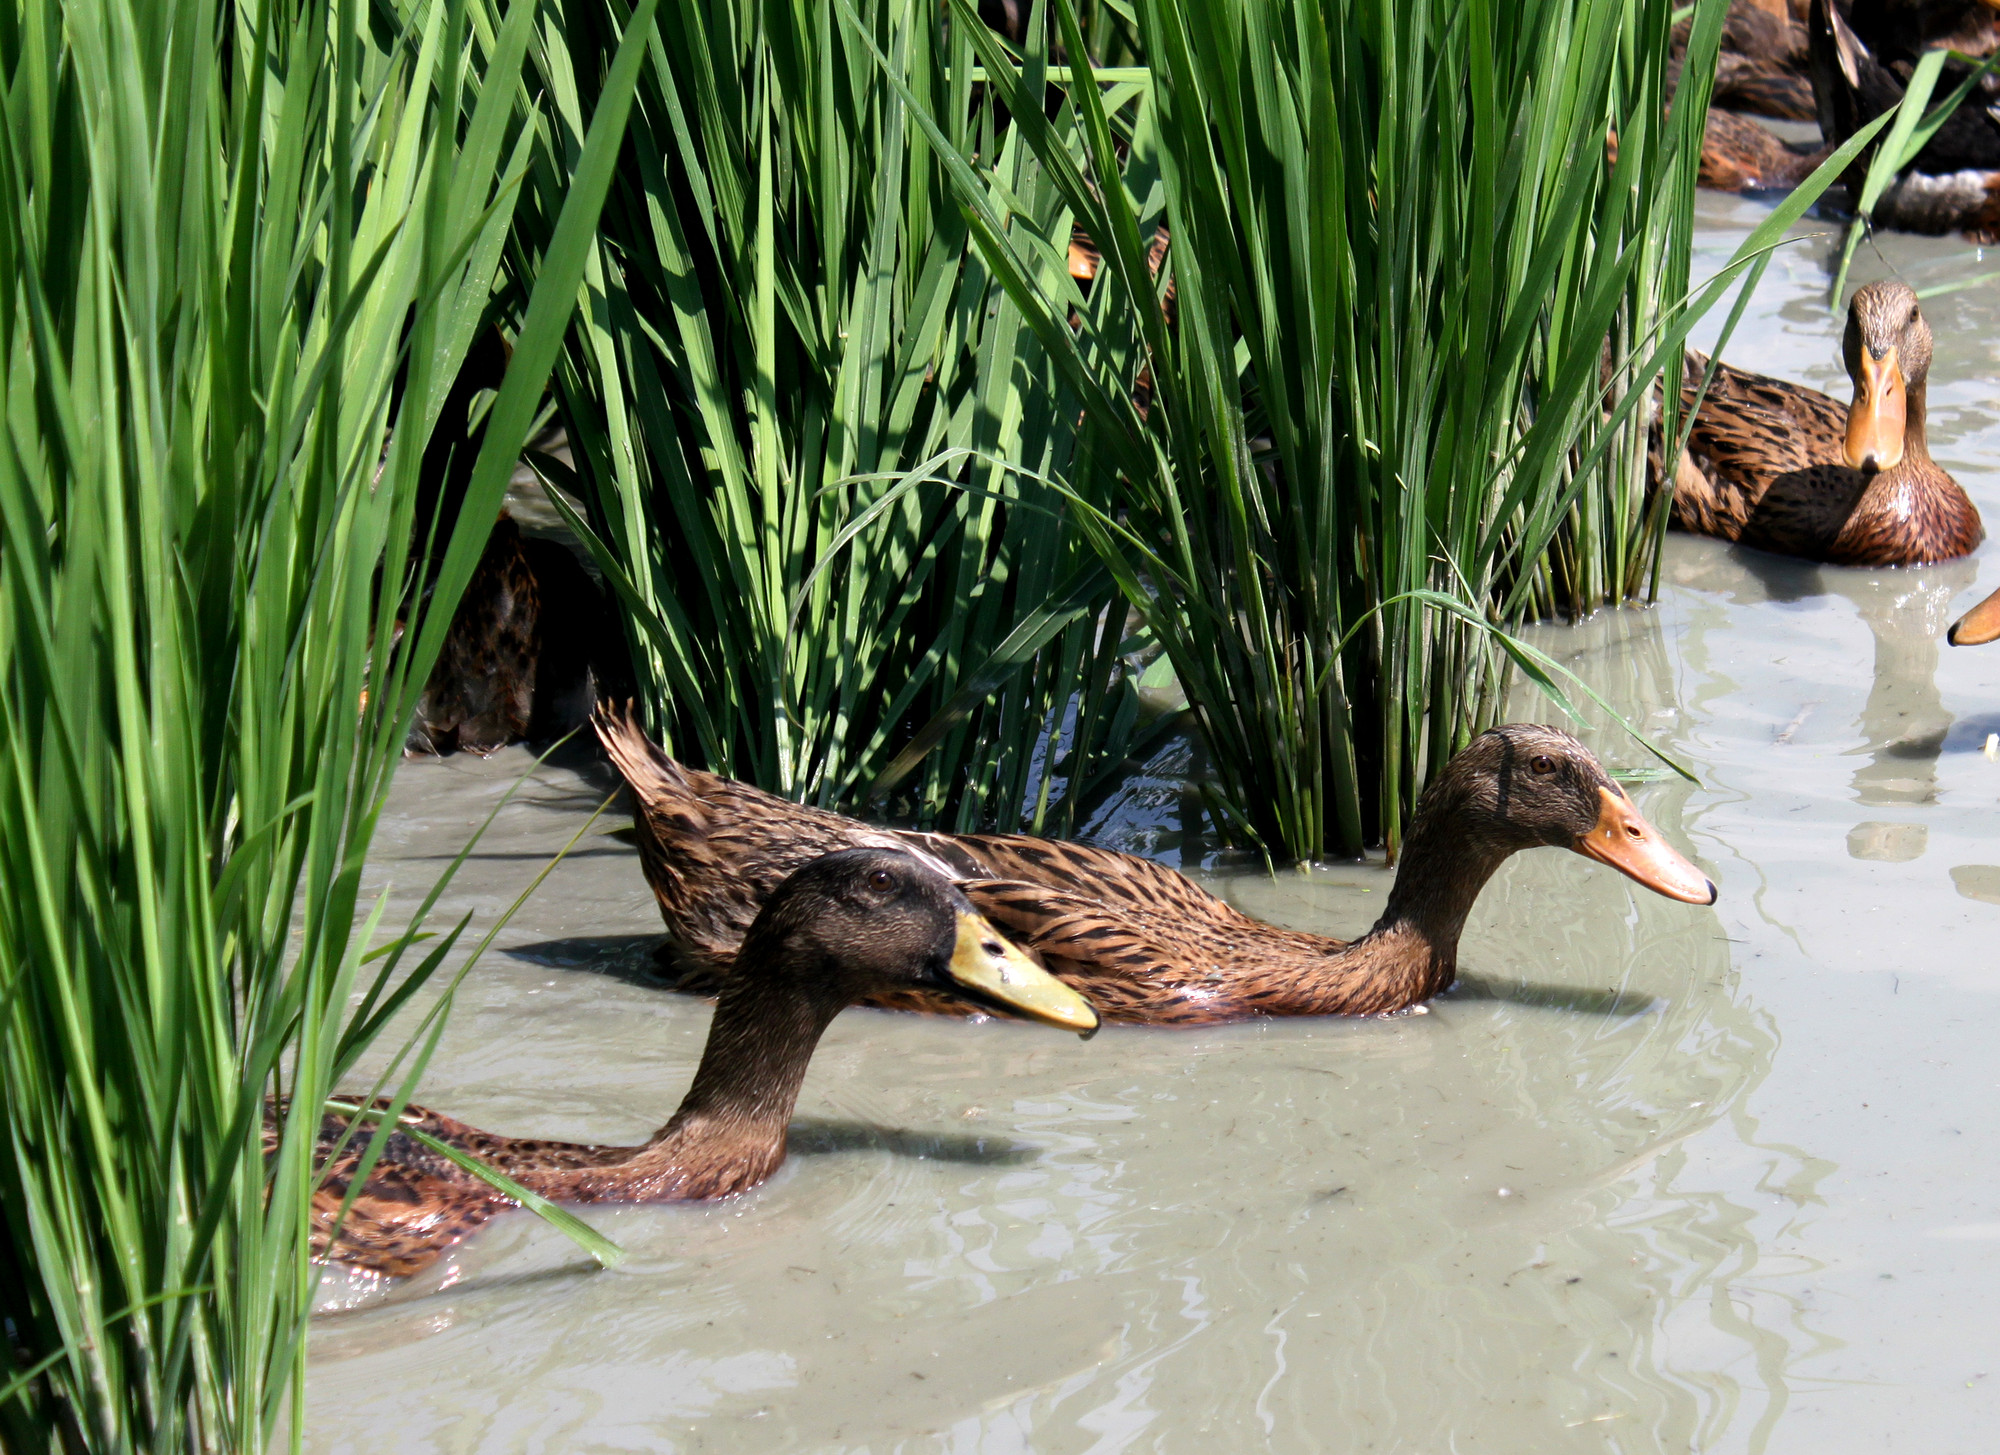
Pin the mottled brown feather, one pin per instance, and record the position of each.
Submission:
(1139, 940)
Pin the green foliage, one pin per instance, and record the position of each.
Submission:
(224, 233)
(810, 433)
(1399, 243)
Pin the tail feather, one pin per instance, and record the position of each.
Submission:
(638, 759)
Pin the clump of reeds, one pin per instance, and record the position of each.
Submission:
(1428, 262)
(242, 250)
(811, 431)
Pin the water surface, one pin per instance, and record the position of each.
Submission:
(1653, 1178)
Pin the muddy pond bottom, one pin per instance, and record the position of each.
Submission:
(1651, 1178)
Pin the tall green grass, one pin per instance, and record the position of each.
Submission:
(1400, 242)
(810, 431)
(1430, 262)
(225, 230)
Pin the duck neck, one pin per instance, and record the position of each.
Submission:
(1412, 952)
(729, 1131)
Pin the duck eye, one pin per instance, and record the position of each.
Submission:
(1543, 763)
(880, 880)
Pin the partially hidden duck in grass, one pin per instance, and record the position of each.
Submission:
(1786, 469)
(1141, 942)
(842, 927)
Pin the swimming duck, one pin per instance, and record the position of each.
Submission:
(1786, 469)
(1142, 942)
(1978, 626)
(840, 928)
(1954, 182)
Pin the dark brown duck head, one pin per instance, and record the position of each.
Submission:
(1887, 348)
(1516, 787)
(1525, 786)
(850, 924)
(865, 922)
(1978, 626)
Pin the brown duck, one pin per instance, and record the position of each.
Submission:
(842, 928)
(1139, 940)
(1786, 469)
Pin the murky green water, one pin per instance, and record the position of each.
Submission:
(1654, 1178)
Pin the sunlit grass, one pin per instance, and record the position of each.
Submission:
(809, 427)
(224, 233)
(1430, 259)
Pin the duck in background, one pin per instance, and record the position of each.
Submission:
(533, 640)
(1860, 68)
(837, 930)
(1786, 469)
(1142, 942)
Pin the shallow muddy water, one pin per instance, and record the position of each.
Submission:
(1652, 1178)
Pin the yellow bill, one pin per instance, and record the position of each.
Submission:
(995, 972)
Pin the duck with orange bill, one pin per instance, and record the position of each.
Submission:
(1786, 469)
(1142, 942)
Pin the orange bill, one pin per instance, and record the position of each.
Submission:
(1622, 838)
(1875, 422)
(1981, 624)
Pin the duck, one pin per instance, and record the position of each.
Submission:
(1141, 942)
(837, 929)
(1786, 469)
(1953, 184)
(526, 653)
(534, 639)
(1738, 155)
(1978, 626)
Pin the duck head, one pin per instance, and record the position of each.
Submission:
(867, 921)
(1525, 786)
(1887, 348)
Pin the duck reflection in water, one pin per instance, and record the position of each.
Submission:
(1904, 723)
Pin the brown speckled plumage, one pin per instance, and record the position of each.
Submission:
(1141, 942)
(1765, 464)
(517, 662)
(838, 929)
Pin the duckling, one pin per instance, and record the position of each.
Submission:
(1786, 469)
(1142, 942)
(838, 929)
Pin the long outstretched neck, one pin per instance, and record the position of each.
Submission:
(729, 1132)
(1412, 952)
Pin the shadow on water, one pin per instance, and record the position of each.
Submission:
(1580, 999)
(813, 1137)
(634, 959)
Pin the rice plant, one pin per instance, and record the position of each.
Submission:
(243, 249)
(810, 432)
(1429, 263)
